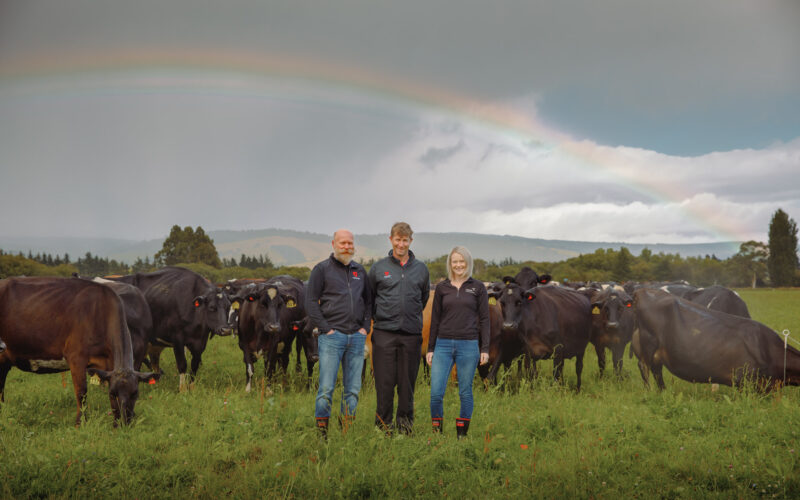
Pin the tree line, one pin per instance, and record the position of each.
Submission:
(755, 264)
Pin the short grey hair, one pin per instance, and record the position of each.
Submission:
(467, 257)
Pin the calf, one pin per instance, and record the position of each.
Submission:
(57, 324)
(702, 345)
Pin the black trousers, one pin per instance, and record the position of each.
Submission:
(395, 363)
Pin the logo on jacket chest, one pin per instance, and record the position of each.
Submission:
(473, 291)
(387, 275)
(355, 275)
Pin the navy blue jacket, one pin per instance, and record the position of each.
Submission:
(400, 293)
(338, 297)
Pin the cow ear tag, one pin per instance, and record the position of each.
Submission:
(197, 303)
(290, 303)
(235, 306)
(629, 304)
(492, 301)
(295, 328)
(529, 296)
(595, 310)
(94, 379)
(152, 381)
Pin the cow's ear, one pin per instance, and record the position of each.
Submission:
(252, 297)
(147, 376)
(508, 280)
(530, 295)
(290, 301)
(199, 300)
(545, 279)
(102, 374)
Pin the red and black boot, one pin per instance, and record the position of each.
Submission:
(462, 426)
(322, 426)
(437, 425)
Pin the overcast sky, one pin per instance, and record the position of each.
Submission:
(623, 121)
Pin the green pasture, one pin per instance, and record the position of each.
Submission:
(615, 439)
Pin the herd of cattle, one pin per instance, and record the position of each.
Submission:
(109, 327)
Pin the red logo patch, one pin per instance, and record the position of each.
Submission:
(355, 273)
(386, 273)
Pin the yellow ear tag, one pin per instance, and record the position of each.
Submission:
(596, 310)
(235, 306)
(94, 380)
(492, 301)
(290, 303)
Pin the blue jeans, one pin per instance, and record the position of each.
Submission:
(465, 354)
(334, 349)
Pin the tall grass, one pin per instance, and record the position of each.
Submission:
(528, 438)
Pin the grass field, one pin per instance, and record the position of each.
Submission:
(614, 439)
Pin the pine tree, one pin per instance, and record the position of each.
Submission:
(782, 260)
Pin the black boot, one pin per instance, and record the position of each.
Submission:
(322, 426)
(462, 426)
(437, 425)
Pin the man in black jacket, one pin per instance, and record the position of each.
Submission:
(339, 303)
(400, 285)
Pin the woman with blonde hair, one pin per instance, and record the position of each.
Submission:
(459, 335)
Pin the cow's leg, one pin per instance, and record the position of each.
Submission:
(180, 362)
(656, 369)
(617, 352)
(154, 353)
(78, 372)
(249, 360)
(558, 366)
(601, 358)
(4, 369)
(579, 369)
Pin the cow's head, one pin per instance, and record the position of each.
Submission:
(305, 334)
(123, 390)
(211, 310)
(512, 302)
(280, 304)
(609, 307)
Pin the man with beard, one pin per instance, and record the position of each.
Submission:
(401, 285)
(339, 303)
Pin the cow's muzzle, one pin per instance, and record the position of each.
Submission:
(223, 331)
(510, 325)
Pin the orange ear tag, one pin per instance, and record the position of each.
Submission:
(152, 381)
(197, 303)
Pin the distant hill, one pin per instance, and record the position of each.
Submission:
(287, 247)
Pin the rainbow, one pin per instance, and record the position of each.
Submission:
(228, 73)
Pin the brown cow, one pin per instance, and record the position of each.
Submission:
(703, 345)
(57, 324)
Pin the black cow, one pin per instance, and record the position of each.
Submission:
(186, 308)
(306, 341)
(612, 325)
(505, 345)
(552, 321)
(702, 345)
(57, 324)
(137, 316)
(527, 278)
(240, 289)
(719, 298)
(267, 321)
